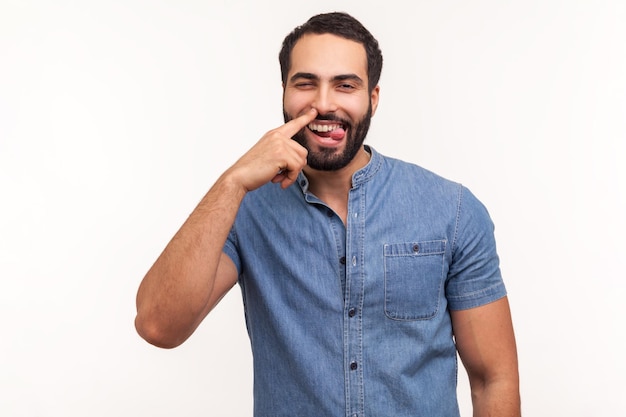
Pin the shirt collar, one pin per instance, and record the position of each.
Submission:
(366, 173)
(359, 178)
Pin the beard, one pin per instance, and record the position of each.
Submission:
(329, 159)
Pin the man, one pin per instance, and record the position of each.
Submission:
(361, 275)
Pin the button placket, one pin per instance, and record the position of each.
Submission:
(354, 300)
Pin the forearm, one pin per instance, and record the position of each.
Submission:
(499, 398)
(188, 278)
(174, 295)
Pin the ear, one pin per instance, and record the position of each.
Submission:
(374, 96)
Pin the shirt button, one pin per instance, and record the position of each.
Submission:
(342, 260)
(353, 366)
(352, 312)
(354, 261)
(416, 248)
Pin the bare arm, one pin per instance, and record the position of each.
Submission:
(192, 274)
(486, 345)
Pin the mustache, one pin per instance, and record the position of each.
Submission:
(332, 118)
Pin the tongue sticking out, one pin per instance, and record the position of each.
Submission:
(337, 134)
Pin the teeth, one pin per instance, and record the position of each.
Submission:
(323, 128)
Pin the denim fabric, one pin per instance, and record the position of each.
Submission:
(354, 320)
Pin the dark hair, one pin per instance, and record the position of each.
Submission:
(339, 24)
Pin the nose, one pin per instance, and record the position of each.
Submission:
(324, 100)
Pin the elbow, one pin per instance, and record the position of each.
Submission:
(155, 333)
(503, 390)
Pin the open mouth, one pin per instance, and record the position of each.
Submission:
(333, 130)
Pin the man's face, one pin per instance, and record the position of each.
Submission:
(329, 73)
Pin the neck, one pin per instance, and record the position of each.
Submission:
(332, 187)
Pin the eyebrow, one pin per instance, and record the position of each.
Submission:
(311, 76)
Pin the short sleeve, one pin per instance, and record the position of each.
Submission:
(230, 249)
(474, 276)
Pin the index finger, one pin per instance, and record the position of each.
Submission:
(293, 126)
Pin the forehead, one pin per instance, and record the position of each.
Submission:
(328, 55)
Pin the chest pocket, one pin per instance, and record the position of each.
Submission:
(414, 278)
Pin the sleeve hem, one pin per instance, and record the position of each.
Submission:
(477, 298)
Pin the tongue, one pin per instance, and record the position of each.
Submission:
(337, 134)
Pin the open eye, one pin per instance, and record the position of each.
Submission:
(346, 87)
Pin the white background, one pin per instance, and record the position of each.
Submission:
(117, 116)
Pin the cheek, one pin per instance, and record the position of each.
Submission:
(296, 103)
(357, 108)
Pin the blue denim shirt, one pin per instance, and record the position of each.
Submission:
(353, 320)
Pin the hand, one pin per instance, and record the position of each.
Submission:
(275, 157)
